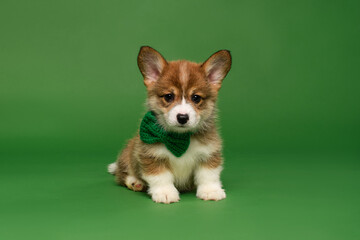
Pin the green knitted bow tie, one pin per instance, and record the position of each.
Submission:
(152, 132)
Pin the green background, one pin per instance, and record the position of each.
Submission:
(71, 95)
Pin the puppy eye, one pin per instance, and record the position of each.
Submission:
(169, 97)
(195, 98)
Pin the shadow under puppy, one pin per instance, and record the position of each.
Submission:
(177, 147)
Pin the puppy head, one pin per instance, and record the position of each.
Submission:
(181, 93)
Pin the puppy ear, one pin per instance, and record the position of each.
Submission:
(216, 67)
(151, 64)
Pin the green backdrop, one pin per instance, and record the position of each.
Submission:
(71, 95)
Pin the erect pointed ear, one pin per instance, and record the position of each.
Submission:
(216, 67)
(151, 64)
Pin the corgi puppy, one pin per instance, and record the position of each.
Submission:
(177, 147)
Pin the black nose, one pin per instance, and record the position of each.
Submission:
(182, 118)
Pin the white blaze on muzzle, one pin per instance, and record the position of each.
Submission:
(182, 108)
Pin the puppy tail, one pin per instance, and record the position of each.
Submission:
(112, 167)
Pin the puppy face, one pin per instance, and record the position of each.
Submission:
(182, 93)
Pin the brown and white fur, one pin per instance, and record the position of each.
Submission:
(171, 89)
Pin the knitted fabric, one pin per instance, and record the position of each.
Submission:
(151, 132)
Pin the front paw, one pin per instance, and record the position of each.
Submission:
(167, 194)
(210, 193)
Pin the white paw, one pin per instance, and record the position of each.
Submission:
(167, 194)
(210, 193)
(134, 184)
(112, 168)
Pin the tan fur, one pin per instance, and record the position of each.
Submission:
(183, 79)
(150, 165)
(214, 161)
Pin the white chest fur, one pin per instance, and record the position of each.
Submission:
(184, 166)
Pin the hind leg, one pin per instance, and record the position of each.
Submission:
(124, 178)
(124, 169)
(134, 184)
